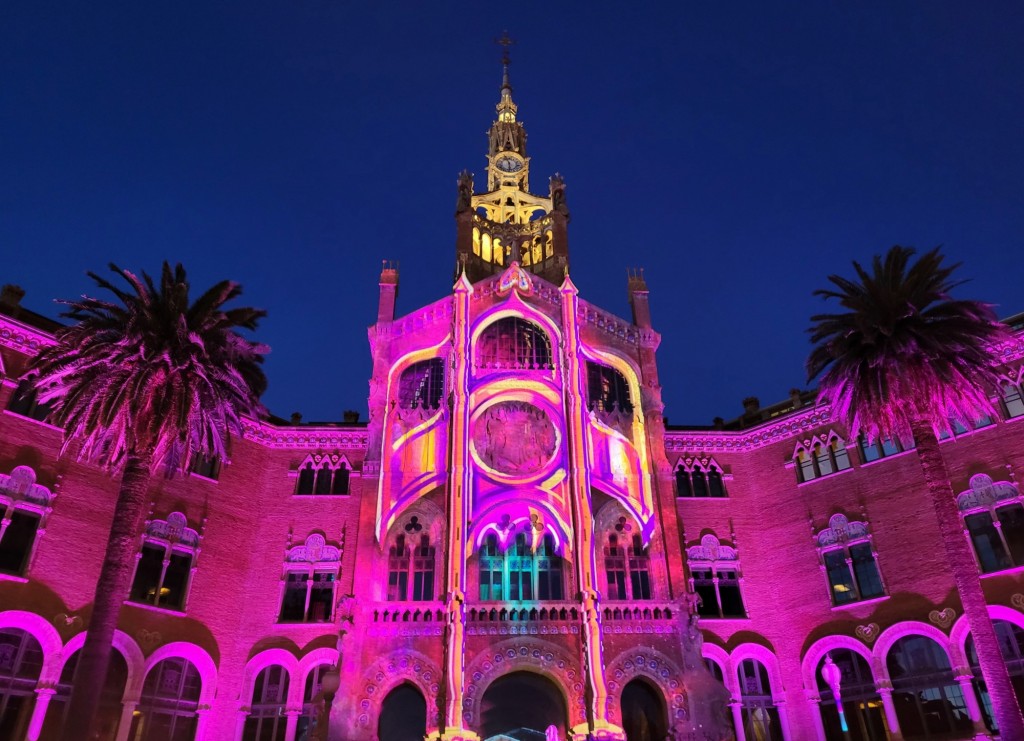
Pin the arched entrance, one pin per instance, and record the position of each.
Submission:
(403, 715)
(643, 712)
(521, 706)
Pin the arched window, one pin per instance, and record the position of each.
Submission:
(24, 402)
(928, 699)
(1013, 399)
(821, 456)
(323, 475)
(24, 506)
(21, 660)
(421, 385)
(266, 720)
(1011, 645)
(994, 515)
(513, 343)
(607, 390)
(862, 705)
(311, 579)
(164, 568)
(521, 574)
(170, 698)
(715, 578)
(849, 560)
(643, 712)
(639, 569)
(310, 705)
(108, 714)
(403, 714)
(882, 447)
(416, 564)
(699, 477)
(760, 716)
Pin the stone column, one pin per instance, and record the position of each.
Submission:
(737, 719)
(35, 723)
(966, 682)
(124, 726)
(203, 713)
(890, 713)
(291, 723)
(243, 714)
(814, 702)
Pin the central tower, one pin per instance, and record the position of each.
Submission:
(508, 223)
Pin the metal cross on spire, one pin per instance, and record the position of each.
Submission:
(505, 42)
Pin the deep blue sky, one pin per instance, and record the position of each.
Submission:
(738, 151)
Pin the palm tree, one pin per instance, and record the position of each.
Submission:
(906, 359)
(143, 382)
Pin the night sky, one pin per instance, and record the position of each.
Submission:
(740, 152)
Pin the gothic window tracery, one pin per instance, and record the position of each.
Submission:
(24, 507)
(25, 403)
(421, 385)
(607, 390)
(513, 343)
(266, 719)
(861, 702)
(310, 581)
(699, 478)
(321, 475)
(310, 697)
(1013, 398)
(519, 573)
(822, 455)
(715, 578)
(627, 563)
(170, 698)
(993, 514)
(165, 563)
(21, 661)
(929, 701)
(414, 565)
(849, 561)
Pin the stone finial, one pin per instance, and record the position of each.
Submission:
(296, 418)
(10, 298)
(350, 417)
(751, 405)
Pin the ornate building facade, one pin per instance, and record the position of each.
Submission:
(514, 545)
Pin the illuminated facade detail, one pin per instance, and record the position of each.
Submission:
(849, 561)
(993, 514)
(166, 563)
(821, 455)
(515, 506)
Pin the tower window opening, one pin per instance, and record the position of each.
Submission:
(422, 385)
(607, 390)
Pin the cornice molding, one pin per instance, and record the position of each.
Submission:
(22, 337)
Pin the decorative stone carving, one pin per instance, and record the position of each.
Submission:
(868, 633)
(985, 492)
(514, 438)
(67, 624)
(841, 530)
(20, 485)
(711, 549)
(174, 529)
(315, 550)
(646, 662)
(943, 618)
(149, 639)
(1017, 601)
(391, 671)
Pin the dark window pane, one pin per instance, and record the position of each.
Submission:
(607, 390)
(715, 484)
(293, 607)
(172, 594)
(704, 586)
(340, 480)
(321, 597)
(683, 487)
(147, 575)
(17, 542)
(987, 544)
(700, 484)
(1011, 519)
(422, 385)
(869, 581)
(839, 577)
(307, 477)
(23, 402)
(869, 451)
(729, 589)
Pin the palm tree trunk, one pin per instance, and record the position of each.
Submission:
(965, 573)
(111, 591)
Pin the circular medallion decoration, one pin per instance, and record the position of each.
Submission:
(514, 438)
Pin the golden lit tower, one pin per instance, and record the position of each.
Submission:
(508, 223)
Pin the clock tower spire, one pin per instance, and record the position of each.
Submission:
(509, 223)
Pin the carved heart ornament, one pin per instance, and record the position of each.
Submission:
(943, 618)
(149, 638)
(868, 633)
(66, 623)
(1018, 601)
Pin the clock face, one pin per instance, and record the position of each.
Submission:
(509, 164)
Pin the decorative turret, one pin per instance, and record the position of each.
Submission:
(508, 223)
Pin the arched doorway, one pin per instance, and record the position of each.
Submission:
(521, 706)
(643, 712)
(403, 715)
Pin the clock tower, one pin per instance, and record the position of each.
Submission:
(508, 223)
